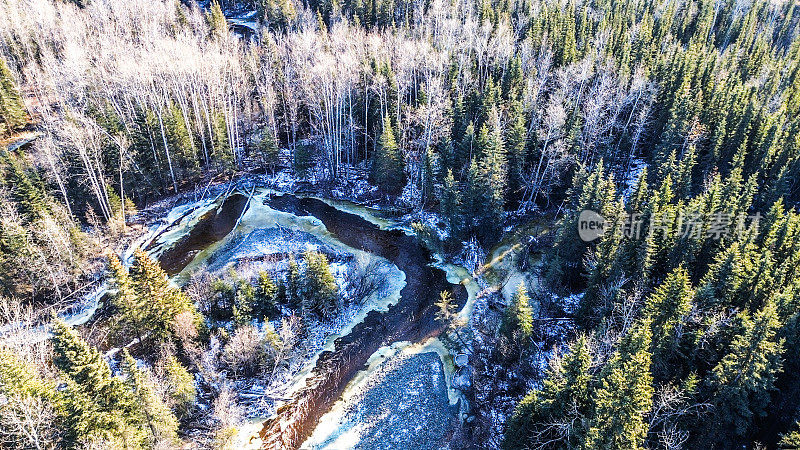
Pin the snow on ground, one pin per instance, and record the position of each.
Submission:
(629, 183)
(569, 303)
(400, 401)
(260, 244)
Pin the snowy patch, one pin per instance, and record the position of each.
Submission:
(629, 183)
(400, 401)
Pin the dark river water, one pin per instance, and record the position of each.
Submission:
(411, 319)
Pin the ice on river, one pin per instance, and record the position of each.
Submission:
(400, 401)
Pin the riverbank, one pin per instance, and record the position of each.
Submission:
(245, 215)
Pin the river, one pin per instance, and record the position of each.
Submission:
(389, 355)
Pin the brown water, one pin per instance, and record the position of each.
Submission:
(212, 227)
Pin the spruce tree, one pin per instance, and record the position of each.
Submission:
(491, 182)
(445, 306)
(564, 400)
(428, 175)
(466, 148)
(266, 296)
(293, 280)
(450, 205)
(97, 405)
(741, 382)
(319, 289)
(216, 20)
(244, 307)
(147, 300)
(666, 309)
(517, 323)
(12, 109)
(388, 167)
(663, 232)
(595, 192)
(302, 160)
(516, 145)
(221, 154)
(268, 149)
(624, 394)
(513, 80)
(633, 251)
(179, 141)
(156, 416)
(131, 314)
(26, 188)
(180, 386)
(457, 132)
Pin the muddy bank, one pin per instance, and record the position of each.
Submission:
(411, 319)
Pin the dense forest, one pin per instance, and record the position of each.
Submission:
(677, 122)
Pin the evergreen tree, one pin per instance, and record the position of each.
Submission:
(663, 217)
(666, 309)
(517, 149)
(624, 395)
(180, 386)
(159, 419)
(466, 148)
(278, 14)
(388, 167)
(489, 182)
(147, 300)
(131, 315)
(428, 176)
(96, 405)
(221, 153)
(244, 303)
(595, 192)
(458, 131)
(268, 149)
(564, 401)
(741, 382)
(216, 20)
(632, 252)
(729, 280)
(303, 160)
(180, 142)
(517, 323)
(319, 289)
(446, 307)
(513, 80)
(12, 109)
(266, 296)
(220, 305)
(450, 205)
(293, 288)
(27, 191)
